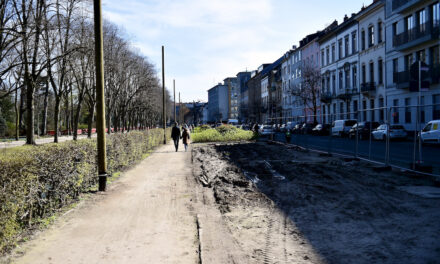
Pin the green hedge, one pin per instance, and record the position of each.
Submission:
(222, 133)
(36, 181)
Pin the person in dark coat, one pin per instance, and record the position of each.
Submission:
(185, 138)
(175, 135)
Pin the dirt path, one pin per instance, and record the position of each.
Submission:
(147, 216)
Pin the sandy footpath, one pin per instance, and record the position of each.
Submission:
(145, 217)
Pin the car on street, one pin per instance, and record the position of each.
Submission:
(266, 130)
(297, 128)
(321, 130)
(363, 129)
(431, 132)
(290, 125)
(342, 127)
(307, 128)
(396, 132)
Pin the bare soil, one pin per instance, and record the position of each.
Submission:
(284, 205)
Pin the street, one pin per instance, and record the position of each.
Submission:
(401, 152)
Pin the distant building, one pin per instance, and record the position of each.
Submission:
(255, 108)
(233, 97)
(218, 103)
(242, 79)
(291, 83)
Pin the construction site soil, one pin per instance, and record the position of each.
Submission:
(282, 204)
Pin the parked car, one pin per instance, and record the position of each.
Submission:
(396, 132)
(307, 128)
(266, 130)
(283, 128)
(290, 125)
(431, 132)
(297, 129)
(363, 129)
(342, 127)
(321, 130)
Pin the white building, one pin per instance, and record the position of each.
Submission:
(412, 34)
(265, 99)
(372, 62)
(339, 71)
(291, 83)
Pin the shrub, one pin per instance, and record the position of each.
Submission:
(36, 181)
(223, 133)
(201, 128)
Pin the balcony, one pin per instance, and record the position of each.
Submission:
(368, 87)
(401, 79)
(326, 97)
(403, 5)
(418, 35)
(347, 93)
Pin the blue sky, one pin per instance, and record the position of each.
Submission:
(208, 40)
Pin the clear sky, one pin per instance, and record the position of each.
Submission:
(208, 40)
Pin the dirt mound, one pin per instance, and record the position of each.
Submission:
(288, 206)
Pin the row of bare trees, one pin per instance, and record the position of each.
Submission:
(47, 62)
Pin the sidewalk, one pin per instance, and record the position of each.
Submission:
(147, 216)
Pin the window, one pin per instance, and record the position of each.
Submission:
(408, 61)
(341, 110)
(372, 110)
(421, 20)
(396, 111)
(422, 109)
(370, 36)
(364, 78)
(364, 112)
(355, 109)
(409, 23)
(395, 65)
(435, 13)
(322, 57)
(354, 79)
(353, 42)
(436, 107)
(346, 40)
(434, 55)
(380, 70)
(347, 78)
(327, 55)
(333, 83)
(372, 72)
(381, 111)
(340, 79)
(340, 49)
(407, 110)
(394, 29)
(333, 53)
(421, 55)
(363, 39)
(379, 32)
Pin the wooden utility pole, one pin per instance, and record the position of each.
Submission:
(180, 111)
(174, 89)
(100, 100)
(164, 117)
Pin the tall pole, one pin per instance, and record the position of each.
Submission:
(180, 110)
(164, 117)
(174, 89)
(100, 103)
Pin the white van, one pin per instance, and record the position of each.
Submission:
(342, 127)
(431, 132)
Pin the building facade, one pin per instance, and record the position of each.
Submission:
(218, 103)
(242, 79)
(412, 34)
(233, 97)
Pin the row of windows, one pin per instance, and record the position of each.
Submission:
(432, 59)
(419, 19)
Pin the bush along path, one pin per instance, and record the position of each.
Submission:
(224, 133)
(37, 181)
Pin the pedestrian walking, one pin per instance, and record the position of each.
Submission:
(175, 135)
(185, 138)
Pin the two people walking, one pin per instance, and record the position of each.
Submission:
(176, 135)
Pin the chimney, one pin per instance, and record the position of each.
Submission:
(345, 18)
(294, 47)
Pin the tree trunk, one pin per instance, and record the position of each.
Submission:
(56, 118)
(90, 123)
(30, 111)
(76, 118)
(45, 105)
(17, 117)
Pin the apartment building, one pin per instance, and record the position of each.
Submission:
(412, 34)
(291, 84)
(218, 103)
(233, 97)
(242, 79)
